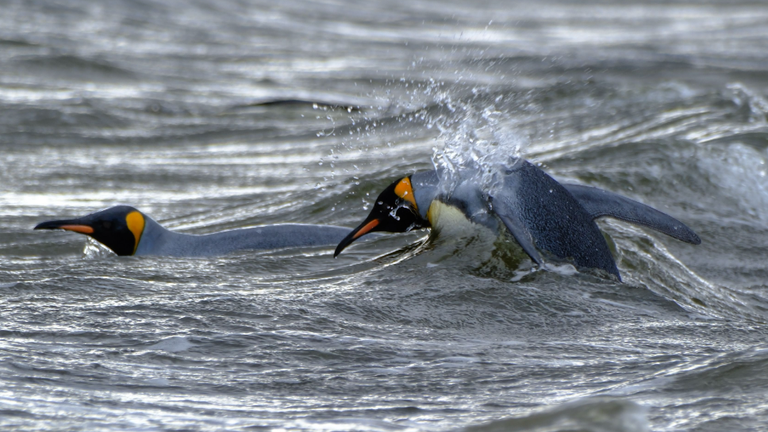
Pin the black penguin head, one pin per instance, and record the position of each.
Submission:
(118, 228)
(395, 210)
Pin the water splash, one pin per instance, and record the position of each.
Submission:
(95, 250)
(757, 105)
(604, 414)
(476, 137)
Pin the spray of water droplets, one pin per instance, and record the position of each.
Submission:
(476, 138)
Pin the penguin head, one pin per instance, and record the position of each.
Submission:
(118, 228)
(395, 210)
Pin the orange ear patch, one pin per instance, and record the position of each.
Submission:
(405, 191)
(135, 222)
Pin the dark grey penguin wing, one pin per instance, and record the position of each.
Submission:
(599, 202)
(542, 215)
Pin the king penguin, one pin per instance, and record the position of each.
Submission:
(127, 231)
(546, 218)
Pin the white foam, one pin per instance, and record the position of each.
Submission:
(172, 344)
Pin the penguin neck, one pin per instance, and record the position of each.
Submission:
(158, 240)
(425, 189)
(465, 194)
(154, 236)
(465, 207)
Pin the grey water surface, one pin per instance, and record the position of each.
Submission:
(213, 115)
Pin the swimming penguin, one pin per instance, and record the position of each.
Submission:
(546, 218)
(128, 231)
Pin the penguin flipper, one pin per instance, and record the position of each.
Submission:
(542, 215)
(517, 228)
(598, 202)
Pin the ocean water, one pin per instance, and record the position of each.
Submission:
(219, 115)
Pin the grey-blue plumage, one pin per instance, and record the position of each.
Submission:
(599, 203)
(158, 240)
(543, 216)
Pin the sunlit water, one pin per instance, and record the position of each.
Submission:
(219, 115)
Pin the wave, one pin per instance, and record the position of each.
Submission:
(592, 414)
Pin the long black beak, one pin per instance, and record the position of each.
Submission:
(75, 225)
(367, 226)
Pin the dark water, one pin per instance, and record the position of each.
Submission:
(218, 115)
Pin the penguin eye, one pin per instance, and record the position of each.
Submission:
(106, 225)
